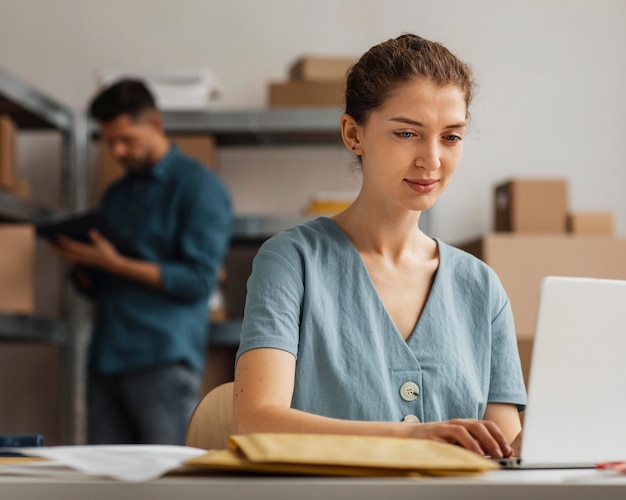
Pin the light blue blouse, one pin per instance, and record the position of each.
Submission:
(311, 295)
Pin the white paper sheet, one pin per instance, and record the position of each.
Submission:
(133, 463)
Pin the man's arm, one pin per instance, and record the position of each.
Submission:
(205, 216)
(103, 255)
(206, 219)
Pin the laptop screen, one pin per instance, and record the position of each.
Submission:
(576, 403)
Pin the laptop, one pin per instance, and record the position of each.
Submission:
(576, 411)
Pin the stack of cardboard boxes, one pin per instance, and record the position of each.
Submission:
(17, 241)
(536, 235)
(313, 81)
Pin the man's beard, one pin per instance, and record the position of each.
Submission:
(136, 165)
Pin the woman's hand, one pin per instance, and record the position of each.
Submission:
(480, 436)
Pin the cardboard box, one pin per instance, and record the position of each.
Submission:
(531, 206)
(17, 263)
(320, 69)
(522, 261)
(306, 94)
(201, 147)
(598, 223)
(8, 169)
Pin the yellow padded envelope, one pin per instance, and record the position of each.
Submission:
(322, 454)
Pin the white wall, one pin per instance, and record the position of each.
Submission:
(551, 101)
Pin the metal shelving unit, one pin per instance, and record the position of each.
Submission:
(31, 109)
(266, 127)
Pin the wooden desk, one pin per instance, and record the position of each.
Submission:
(509, 485)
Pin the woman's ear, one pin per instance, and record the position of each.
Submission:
(351, 134)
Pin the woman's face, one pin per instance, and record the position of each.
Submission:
(411, 145)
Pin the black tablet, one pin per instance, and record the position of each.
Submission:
(77, 227)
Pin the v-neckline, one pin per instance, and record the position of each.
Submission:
(433, 287)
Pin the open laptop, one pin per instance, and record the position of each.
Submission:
(576, 412)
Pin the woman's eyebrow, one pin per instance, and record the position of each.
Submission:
(409, 121)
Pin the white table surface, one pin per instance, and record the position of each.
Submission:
(505, 484)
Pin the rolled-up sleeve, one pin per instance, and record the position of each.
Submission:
(203, 236)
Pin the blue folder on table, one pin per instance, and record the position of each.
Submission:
(18, 441)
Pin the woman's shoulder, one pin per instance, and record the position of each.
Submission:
(462, 265)
(308, 237)
(315, 246)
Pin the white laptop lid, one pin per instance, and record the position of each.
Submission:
(576, 413)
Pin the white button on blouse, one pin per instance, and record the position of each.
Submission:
(411, 419)
(409, 391)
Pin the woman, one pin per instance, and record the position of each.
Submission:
(362, 324)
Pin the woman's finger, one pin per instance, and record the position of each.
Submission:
(483, 433)
(497, 434)
(454, 433)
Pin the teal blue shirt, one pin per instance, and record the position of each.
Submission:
(311, 295)
(178, 216)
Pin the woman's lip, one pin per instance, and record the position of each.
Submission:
(422, 186)
(422, 182)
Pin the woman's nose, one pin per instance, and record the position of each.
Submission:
(429, 157)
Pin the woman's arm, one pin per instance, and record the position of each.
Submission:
(264, 383)
(506, 417)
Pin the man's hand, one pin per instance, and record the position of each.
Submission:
(99, 253)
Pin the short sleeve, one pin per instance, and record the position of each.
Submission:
(506, 381)
(273, 304)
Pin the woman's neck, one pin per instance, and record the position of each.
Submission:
(387, 232)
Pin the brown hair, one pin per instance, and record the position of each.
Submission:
(126, 96)
(386, 65)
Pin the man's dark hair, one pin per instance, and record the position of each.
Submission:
(127, 96)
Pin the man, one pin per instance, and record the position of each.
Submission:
(150, 331)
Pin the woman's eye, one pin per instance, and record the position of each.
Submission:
(453, 138)
(405, 135)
